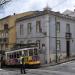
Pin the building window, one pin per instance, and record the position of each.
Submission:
(21, 29)
(38, 26)
(2, 46)
(29, 41)
(38, 43)
(5, 40)
(58, 44)
(21, 42)
(29, 27)
(58, 27)
(5, 26)
(6, 34)
(6, 46)
(68, 28)
(0, 40)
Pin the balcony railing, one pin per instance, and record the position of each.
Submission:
(3, 40)
(68, 35)
(4, 35)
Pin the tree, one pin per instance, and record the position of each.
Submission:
(3, 2)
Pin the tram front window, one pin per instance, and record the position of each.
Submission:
(25, 53)
(30, 52)
(35, 52)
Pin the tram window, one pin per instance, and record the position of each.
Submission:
(20, 53)
(8, 56)
(14, 54)
(35, 51)
(25, 53)
(17, 54)
(30, 52)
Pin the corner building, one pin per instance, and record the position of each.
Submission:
(53, 31)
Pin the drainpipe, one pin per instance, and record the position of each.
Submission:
(49, 39)
(56, 39)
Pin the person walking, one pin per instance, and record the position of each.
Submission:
(23, 71)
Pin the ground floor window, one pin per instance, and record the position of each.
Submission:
(58, 45)
(38, 42)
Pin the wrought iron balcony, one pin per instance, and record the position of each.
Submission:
(4, 35)
(68, 35)
(3, 40)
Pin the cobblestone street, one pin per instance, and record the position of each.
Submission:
(67, 68)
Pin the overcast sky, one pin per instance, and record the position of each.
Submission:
(18, 6)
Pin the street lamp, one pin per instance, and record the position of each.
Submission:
(0, 60)
(1, 56)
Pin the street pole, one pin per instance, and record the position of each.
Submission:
(1, 56)
(0, 60)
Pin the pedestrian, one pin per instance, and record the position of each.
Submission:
(23, 67)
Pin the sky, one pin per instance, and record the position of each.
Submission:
(19, 6)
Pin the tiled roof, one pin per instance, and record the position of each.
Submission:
(5, 17)
(40, 13)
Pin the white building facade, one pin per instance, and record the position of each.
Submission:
(54, 33)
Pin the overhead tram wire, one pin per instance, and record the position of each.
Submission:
(2, 4)
(59, 4)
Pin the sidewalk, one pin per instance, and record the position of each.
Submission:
(59, 62)
(5, 72)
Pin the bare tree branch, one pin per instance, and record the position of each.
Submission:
(4, 2)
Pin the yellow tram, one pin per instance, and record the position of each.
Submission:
(30, 55)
